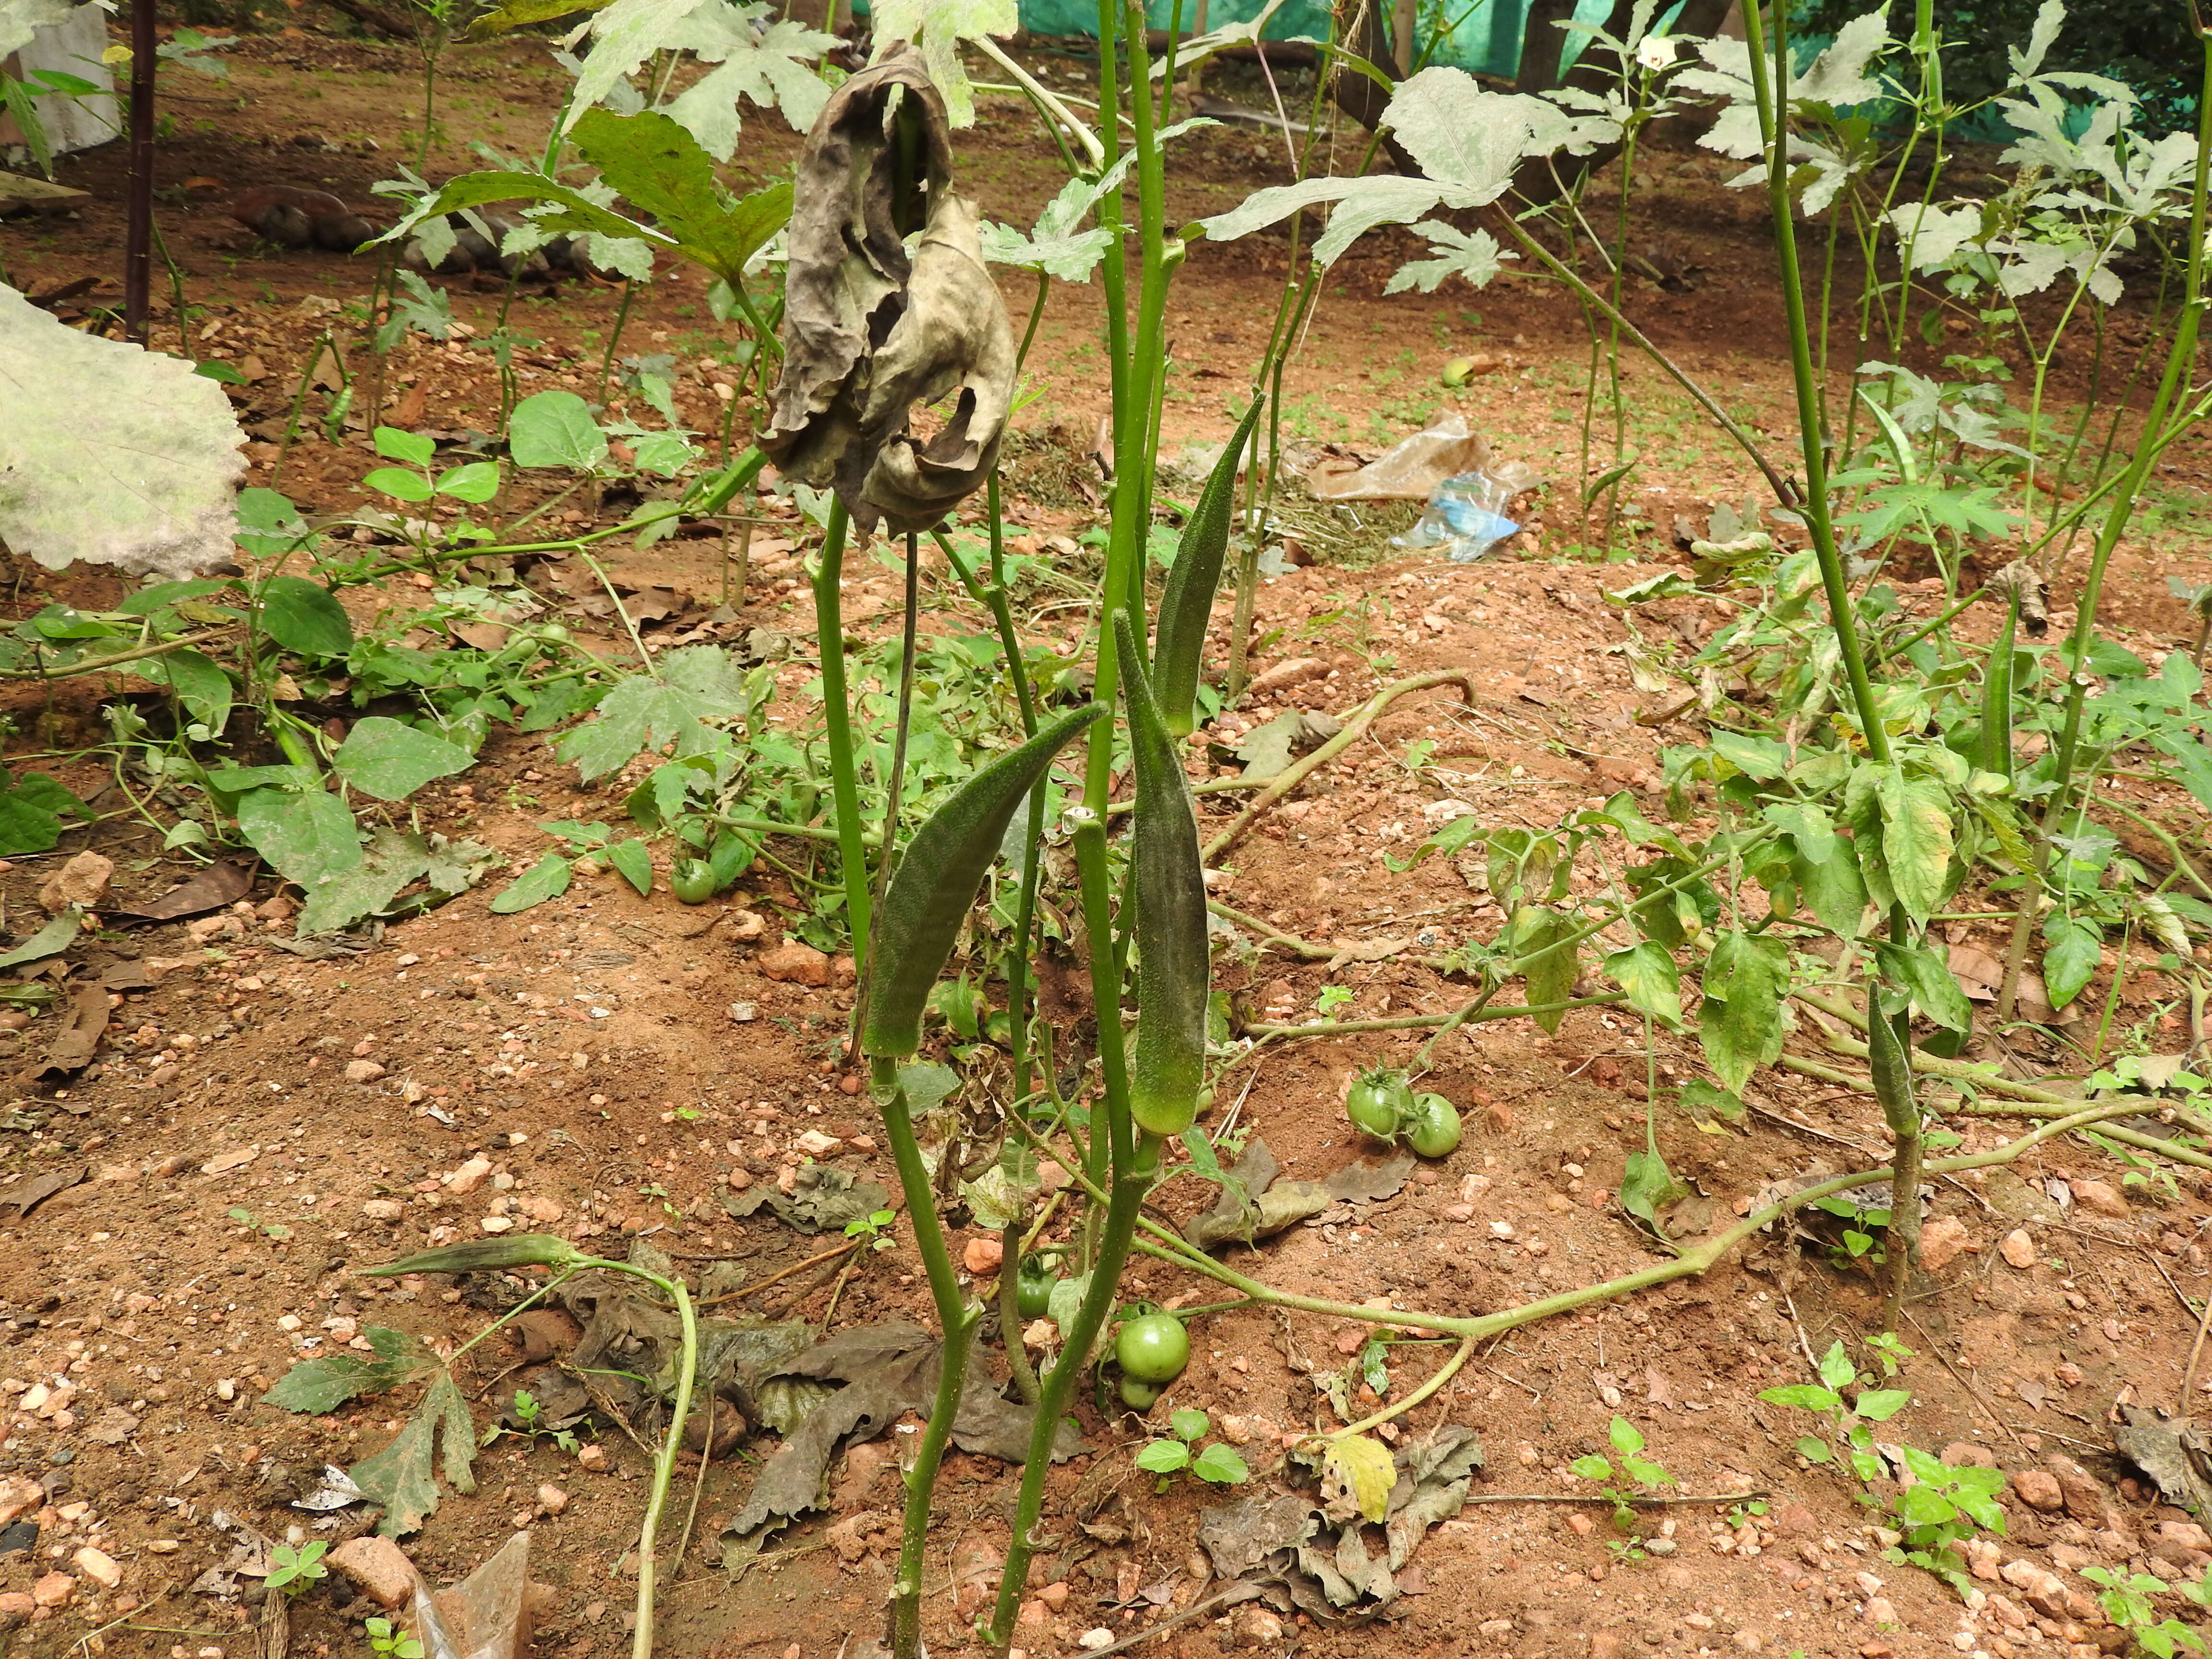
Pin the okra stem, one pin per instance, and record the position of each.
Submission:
(958, 1320)
(837, 715)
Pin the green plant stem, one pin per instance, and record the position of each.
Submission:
(614, 338)
(894, 787)
(2049, 1106)
(1355, 726)
(1428, 1022)
(1133, 1179)
(97, 665)
(1698, 1259)
(959, 1321)
(2180, 361)
(837, 718)
(1774, 115)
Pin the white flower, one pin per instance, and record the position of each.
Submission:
(1656, 52)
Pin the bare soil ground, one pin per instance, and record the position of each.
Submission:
(257, 1127)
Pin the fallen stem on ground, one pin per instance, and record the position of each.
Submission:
(1354, 727)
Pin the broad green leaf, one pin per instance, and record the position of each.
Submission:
(1222, 1463)
(1647, 972)
(1811, 830)
(1163, 1456)
(397, 482)
(56, 936)
(1831, 886)
(1700, 1099)
(661, 169)
(770, 60)
(440, 1438)
(566, 209)
(1916, 840)
(1880, 1404)
(1836, 1368)
(689, 686)
(412, 448)
(1918, 971)
(115, 454)
(2074, 949)
(1626, 1436)
(308, 835)
(1759, 757)
(393, 860)
(547, 878)
(1362, 1467)
(1473, 255)
(1590, 1466)
(325, 1384)
(391, 760)
(27, 823)
(473, 482)
(1189, 1423)
(301, 615)
(1739, 1025)
(1646, 1183)
(1540, 938)
(939, 27)
(1066, 1299)
(633, 863)
(199, 685)
(556, 428)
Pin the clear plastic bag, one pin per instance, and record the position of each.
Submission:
(1412, 469)
(1466, 517)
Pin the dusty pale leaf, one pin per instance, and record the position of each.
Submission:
(938, 27)
(110, 453)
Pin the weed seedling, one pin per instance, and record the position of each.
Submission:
(388, 1643)
(1636, 1470)
(2126, 1598)
(875, 1228)
(1848, 1418)
(531, 1424)
(1219, 1462)
(297, 1571)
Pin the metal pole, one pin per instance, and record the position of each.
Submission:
(138, 239)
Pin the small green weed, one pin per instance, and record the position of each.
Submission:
(296, 1571)
(1636, 1470)
(1219, 1463)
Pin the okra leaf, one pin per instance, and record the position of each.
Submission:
(325, 1384)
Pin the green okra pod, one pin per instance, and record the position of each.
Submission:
(1174, 966)
(1186, 601)
(936, 885)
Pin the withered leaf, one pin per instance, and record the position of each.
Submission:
(888, 1369)
(84, 1020)
(210, 890)
(28, 1195)
(870, 332)
(2176, 1454)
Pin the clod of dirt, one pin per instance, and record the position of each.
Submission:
(81, 881)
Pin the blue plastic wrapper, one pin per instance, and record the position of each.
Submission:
(1463, 519)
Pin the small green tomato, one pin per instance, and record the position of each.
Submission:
(1154, 1349)
(692, 880)
(1434, 1131)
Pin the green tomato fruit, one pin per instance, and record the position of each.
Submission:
(1138, 1396)
(692, 880)
(1033, 1291)
(1154, 1349)
(1435, 1129)
(1379, 1104)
